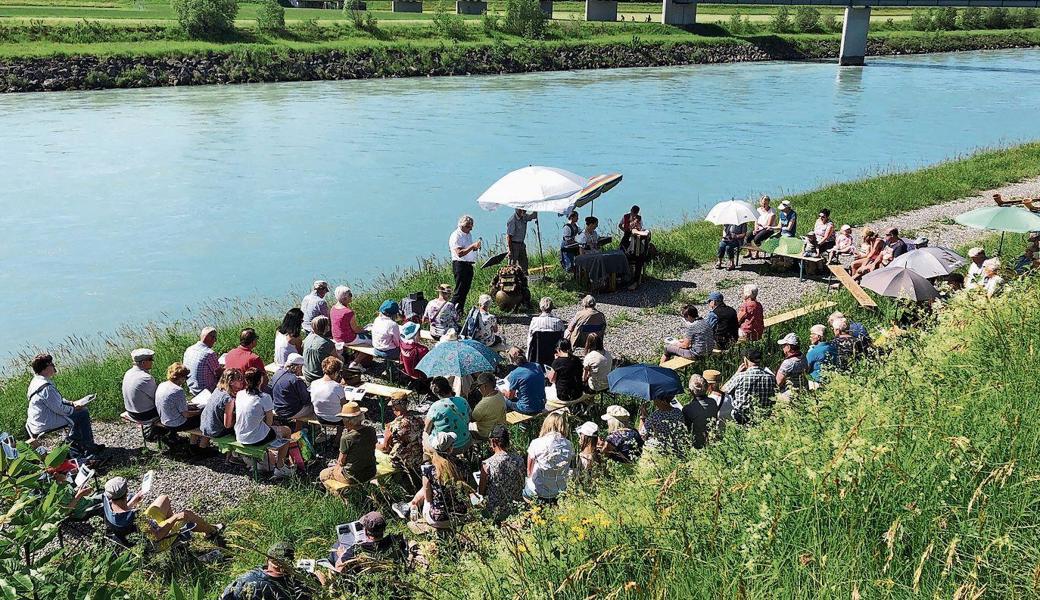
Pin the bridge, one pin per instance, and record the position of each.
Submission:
(854, 28)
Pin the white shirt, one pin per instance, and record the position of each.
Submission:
(599, 364)
(765, 218)
(250, 413)
(327, 398)
(386, 334)
(460, 239)
(282, 348)
(552, 455)
(975, 276)
(993, 285)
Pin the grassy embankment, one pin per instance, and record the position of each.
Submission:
(801, 501)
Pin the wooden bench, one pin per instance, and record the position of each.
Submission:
(854, 288)
(515, 418)
(228, 444)
(386, 391)
(677, 363)
(798, 312)
(141, 425)
(802, 259)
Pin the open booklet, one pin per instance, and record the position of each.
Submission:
(147, 481)
(354, 394)
(85, 400)
(347, 535)
(83, 476)
(9, 446)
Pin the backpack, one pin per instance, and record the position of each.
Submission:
(472, 325)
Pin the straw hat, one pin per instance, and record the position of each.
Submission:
(352, 409)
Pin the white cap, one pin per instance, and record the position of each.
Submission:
(320, 283)
(293, 359)
(206, 331)
(790, 339)
(142, 354)
(846, 227)
(976, 251)
(785, 204)
(588, 428)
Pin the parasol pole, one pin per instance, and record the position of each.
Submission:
(538, 230)
(1000, 248)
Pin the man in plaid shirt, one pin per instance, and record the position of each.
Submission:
(202, 361)
(753, 388)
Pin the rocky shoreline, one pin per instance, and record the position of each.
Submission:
(270, 65)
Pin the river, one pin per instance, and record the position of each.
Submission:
(129, 206)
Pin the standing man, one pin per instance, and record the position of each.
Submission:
(314, 305)
(516, 236)
(463, 254)
(202, 361)
(139, 387)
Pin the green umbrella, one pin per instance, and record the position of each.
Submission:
(1002, 219)
(784, 246)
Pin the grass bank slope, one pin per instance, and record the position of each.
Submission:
(917, 475)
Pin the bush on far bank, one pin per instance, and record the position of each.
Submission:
(206, 19)
(270, 17)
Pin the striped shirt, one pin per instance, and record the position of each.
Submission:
(201, 360)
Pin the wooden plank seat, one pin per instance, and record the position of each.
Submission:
(798, 312)
(677, 363)
(141, 425)
(229, 445)
(541, 270)
(386, 391)
(515, 418)
(854, 288)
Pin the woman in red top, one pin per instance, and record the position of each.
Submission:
(751, 315)
(412, 351)
(626, 224)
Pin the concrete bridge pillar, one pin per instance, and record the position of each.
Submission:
(601, 10)
(678, 12)
(854, 36)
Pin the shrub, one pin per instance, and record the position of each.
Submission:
(996, 18)
(525, 19)
(830, 22)
(807, 19)
(489, 22)
(1026, 18)
(781, 20)
(735, 26)
(206, 18)
(270, 17)
(921, 20)
(946, 18)
(450, 25)
(971, 18)
(362, 19)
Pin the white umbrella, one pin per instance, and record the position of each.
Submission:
(931, 261)
(536, 189)
(731, 212)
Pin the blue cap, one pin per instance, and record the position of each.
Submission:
(389, 308)
(715, 297)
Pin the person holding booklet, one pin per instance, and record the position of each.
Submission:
(367, 539)
(49, 411)
(254, 421)
(158, 522)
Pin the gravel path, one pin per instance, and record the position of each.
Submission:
(637, 321)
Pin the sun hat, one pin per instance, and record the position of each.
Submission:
(352, 409)
(588, 428)
(712, 376)
(616, 412)
(846, 227)
(373, 522)
(785, 204)
(443, 441)
(790, 339)
(142, 354)
(389, 308)
(410, 331)
(818, 329)
(715, 297)
(283, 552)
(115, 488)
(976, 251)
(320, 283)
(293, 359)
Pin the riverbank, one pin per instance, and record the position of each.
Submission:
(145, 64)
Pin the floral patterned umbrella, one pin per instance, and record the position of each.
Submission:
(456, 358)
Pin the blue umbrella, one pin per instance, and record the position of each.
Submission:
(488, 353)
(644, 381)
(454, 358)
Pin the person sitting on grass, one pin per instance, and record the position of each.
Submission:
(403, 438)
(869, 256)
(444, 495)
(729, 246)
(526, 393)
(217, 419)
(623, 443)
(481, 325)
(977, 255)
(587, 320)
(172, 403)
(449, 414)
(751, 315)
(821, 239)
(374, 546)
(589, 459)
(549, 459)
(158, 522)
(790, 375)
(386, 333)
(847, 347)
(48, 411)
(664, 428)
(502, 476)
(844, 245)
(292, 399)
(490, 411)
(254, 421)
(856, 329)
(356, 462)
(277, 580)
(440, 313)
(723, 321)
(752, 388)
(698, 340)
(701, 412)
(992, 282)
(821, 353)
(566, 374)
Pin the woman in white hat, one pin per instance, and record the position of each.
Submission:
(623, 443)
(444, 494)
(589, 458)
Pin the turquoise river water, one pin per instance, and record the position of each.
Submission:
(131, 206)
